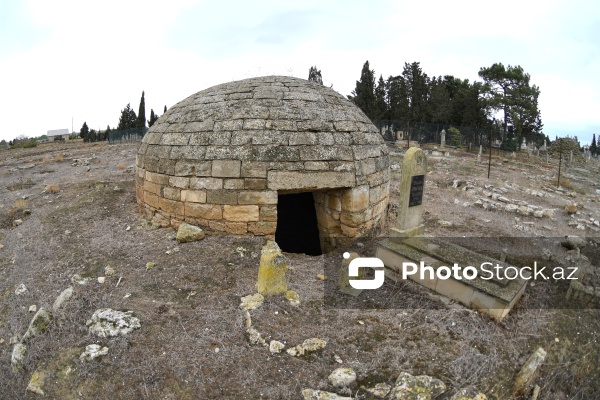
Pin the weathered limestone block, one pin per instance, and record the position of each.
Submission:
(205, 211)
(255, 184)
(244, 213)
(342, 377)
(233, 184)
(262, 228)
(172, 193)
(206, 183)
(179, 182)
(171, 206)
(282, 180)
(268, 213)
(355, 199)
(194, 196)
(226, 168)
(255, 197)
(221, 197)
(251, 169)
(311, 394)
(529, 372)
(272, 269)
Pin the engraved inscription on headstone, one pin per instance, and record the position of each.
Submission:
(416, 190)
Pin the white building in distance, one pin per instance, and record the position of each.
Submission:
(54, 134)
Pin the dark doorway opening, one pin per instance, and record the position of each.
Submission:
(297, 230)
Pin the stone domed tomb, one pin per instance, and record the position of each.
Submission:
(276, 156)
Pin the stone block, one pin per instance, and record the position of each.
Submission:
(204, 211)
(255, 183)
(226, 168)
(282, 180)
(250, 124)
(152, 188)
(171, 206)
(252, 169)
(236, 228)
(316, 165)
(179, 182)
(268, 213)
(333, 202)
(151, 199)
(455, 290)
(324, 153)
(355, 199)
(172, 193)
(262, 228)
(303, 138)
(233, 184)
(355, 219)
(245, 213)
(157, 178)
(257, 197)
(194, 196)
(206, 183)
(221, 197)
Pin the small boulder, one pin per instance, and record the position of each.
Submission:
(271, 271)
(420, 387)
(18, 355)
(573, 242)
(62, 298)
(189, 233)
(36, 383)
(276, 346)
(529, 372)
(469, 393)
(38, 324)
(93, 351)
(20, 289)
(252, 302)
(311, 394)
(106, 322)
(342, 377)
(308, 346)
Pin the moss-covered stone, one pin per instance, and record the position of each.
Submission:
(271, 272)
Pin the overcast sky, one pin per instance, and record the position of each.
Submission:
(73, 60)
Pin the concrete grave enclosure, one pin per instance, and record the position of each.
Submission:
(226, 157)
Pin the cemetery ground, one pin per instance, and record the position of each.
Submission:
(68, 216)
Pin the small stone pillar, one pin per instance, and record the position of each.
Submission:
(271, 272)
(443, 141)
(412, 186)
(480, 152)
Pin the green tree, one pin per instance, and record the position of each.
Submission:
(141, 117)
(439, 101)
(508, 90)
(165, 110)
(153, 118)
(128, 119)
(84, 130)
(594, 146)
(364, 93)
(417, 84)
(314, 75)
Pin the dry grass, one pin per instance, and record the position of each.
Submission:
(52, 188)
(59, 158)
(46, 160)
(564, 182)
(121, 166)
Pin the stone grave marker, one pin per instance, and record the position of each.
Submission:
(412, 186)
(443, 141)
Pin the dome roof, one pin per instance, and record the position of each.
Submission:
(244, 143)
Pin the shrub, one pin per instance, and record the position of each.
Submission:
(58, 158)
(52, 188)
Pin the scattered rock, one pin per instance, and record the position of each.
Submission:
(573, 242)
(547, 255)
(93, 351)
(149, 266)
(276, 346)
(338, 359)
(342, 377)
(528, 373)
(109, 271)
(420, 387)
(248, 319)
(271, 272)
(17, 222)
(311, 394)
(252, 302)
(106, 322)
(444, 223)
(78, 279)
(32, 308)
(36, 383)
(189, 233)
(469, 393)
(64, 296)
(18, 355)
(571, 208)
(255, 338)
(380, 390)
(308, 346)
(20, 289)
(38, 324)
(101, 279)
(321, 277)
(293, 298)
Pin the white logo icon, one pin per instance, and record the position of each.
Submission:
(365, 262)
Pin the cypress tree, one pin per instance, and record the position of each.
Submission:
(141, 117)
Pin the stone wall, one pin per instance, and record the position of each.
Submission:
(220, 158)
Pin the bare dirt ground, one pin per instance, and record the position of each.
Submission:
(192, 342)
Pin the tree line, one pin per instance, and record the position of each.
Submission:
(128, 120)
(414, 97)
